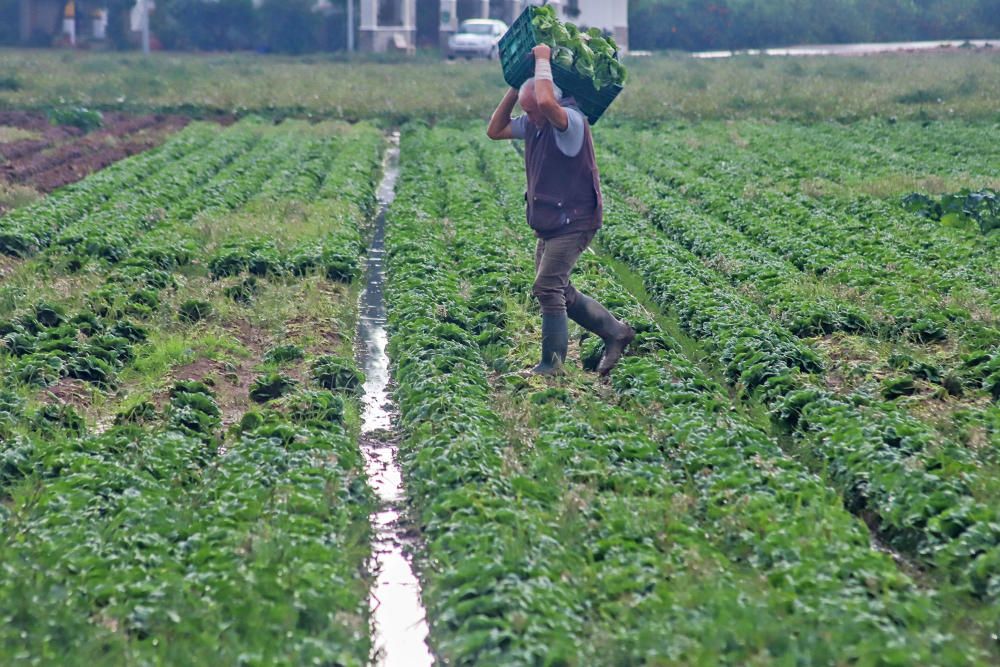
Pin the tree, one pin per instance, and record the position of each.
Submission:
(740, 24)
(289, 26)
(119, 23)
(207, 25)
(10, 21)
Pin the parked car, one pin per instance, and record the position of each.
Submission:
(477, 38)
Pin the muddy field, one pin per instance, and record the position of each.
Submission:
(42, 157)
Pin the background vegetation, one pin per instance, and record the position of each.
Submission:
(739, 24)
(922, 86)
(292, 26)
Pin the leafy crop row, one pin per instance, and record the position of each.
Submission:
(152, 544)
(25, 231)
(799, 304)
(209, 178)
(343, 176)
(94, 343)
(845, 162)
(48, 341)
(840, 245)
(646, 531)
(802, 302)
(164, 538)
(756, 500)
(927, 495)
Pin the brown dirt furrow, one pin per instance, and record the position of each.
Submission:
(68, 391)
(18, 150)
(230, 380)
(22, 171)
(70, 172)
(34, 121)
(73, 160)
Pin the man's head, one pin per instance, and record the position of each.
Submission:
(526, 98)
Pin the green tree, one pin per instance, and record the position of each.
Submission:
(208, 25)
(118, 23)
(738, 24)
(10, 21)
(289, 26)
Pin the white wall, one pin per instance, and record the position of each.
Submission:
(607, 14)
(610, 15)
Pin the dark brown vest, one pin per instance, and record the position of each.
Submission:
(564, 193)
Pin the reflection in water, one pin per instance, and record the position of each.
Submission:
(398, 616)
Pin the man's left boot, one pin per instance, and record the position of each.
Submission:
(555, 342)
(595, 318)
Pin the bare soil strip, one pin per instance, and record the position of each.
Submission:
(65, 154)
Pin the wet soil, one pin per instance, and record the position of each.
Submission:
(68, 391)
(230, 380)
(399, 620)
(65, 154)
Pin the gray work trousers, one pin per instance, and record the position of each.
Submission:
(554, 260)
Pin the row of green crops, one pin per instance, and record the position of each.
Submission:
(905, 276)
(805, 302)
(25, 231)
(568, 524)
(163, 533)
(726, 453)
(930, 497)
(146, 544)
(92, 344)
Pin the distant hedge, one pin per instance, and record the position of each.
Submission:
(10, 24)
(295, 26)
(695, 25)
(285, 26)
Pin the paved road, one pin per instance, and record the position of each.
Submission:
(859, 49)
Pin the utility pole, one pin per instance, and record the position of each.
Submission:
(350, 26)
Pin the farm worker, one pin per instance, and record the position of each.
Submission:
(564, 208)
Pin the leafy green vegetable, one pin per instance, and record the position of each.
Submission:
(965, 209)
(194, 310)
(80, 117)
(590, 53)
(337, 374)
(271, 386)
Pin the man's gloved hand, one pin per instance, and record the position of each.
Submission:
(543, 62)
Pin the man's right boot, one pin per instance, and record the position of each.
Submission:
(555, 342)
(595, 318)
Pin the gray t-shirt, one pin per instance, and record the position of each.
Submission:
(569, 141)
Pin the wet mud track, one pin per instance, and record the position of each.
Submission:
(399, 623)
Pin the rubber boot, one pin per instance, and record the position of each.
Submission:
(595, 318)
(555, 341)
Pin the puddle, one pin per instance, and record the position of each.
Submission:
(399, 619)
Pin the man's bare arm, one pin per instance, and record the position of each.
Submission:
(499, 127)
(545, 94)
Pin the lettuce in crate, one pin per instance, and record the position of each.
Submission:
(590, 53)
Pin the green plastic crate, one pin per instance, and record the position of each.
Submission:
(519, 65)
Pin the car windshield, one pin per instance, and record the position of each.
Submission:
(477, 28)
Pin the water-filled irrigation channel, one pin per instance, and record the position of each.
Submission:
(398, 616)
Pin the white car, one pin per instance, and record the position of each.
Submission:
(477, 38)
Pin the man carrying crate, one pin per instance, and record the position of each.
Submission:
(564, 207)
